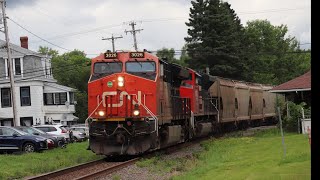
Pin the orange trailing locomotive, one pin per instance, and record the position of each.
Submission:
(139, 103)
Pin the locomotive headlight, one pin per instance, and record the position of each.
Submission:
(101, 113)
(136, 112)
(120, 81)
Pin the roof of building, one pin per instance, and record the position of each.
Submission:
(58, 86)
(301, 83)
(16, 51)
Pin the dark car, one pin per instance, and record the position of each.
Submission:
(59, 141)
(12, 139)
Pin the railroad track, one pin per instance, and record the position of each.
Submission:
(84, 171)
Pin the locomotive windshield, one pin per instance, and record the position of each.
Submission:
(107, 67)
(101, 69)
(140, 67)
(144, 69)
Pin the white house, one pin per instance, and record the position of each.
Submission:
(39, 99)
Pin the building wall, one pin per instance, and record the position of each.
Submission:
(32, 66)
(35, 110)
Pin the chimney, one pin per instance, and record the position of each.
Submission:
(24, 41)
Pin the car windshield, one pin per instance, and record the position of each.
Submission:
(20, 132)
(31, 130)
(38, 131)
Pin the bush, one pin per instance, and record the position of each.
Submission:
(290, 123)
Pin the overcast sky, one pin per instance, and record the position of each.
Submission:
(81, 24)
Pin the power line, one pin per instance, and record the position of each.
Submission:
(38, 36)
(176, 52)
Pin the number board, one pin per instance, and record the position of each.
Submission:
(136, 54)
(110, 55)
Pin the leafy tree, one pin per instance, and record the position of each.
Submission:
(71, 69)
(184, 58)
(215, 37)
(48, 51)
(167, 54)
(271, 56)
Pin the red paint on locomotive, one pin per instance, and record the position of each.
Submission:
(118, 103)
(190, 89)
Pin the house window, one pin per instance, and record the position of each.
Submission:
(55, 98)
(25, 98)
(17, 66)
(63, 98)
(26, 121)
(5, 97)
(48, 98)
(71, 95)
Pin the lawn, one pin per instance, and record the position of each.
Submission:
(257, 157)
(236, 157)
(19, 166)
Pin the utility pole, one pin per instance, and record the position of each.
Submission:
(112, 40)
(13, 95)
(133, 32)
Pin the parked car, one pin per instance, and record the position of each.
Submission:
(12, 139)
(58, 140)
(76, 135)
(56, 129)
(82, 129)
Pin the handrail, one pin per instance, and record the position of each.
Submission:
(153, 116)
(216, 109)
(86, 121)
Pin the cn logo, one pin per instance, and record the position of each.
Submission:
(123, 93)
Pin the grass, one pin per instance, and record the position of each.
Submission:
(237, 157)
(162, 166)
(19, 166)
(257, 157)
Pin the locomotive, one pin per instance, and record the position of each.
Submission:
(139, 103)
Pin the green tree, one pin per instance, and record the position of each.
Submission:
(215, 37)
(184, 57)
(167, 54)
(48, 51)
(272, 56)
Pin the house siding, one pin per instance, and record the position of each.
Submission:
(32, 66)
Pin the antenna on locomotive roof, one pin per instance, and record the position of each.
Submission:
(133, 32)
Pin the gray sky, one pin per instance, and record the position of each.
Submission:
(80, 24)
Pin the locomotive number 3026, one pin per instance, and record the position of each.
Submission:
(136, 55)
